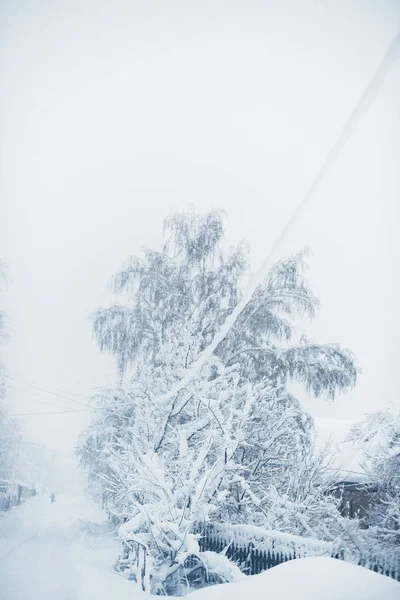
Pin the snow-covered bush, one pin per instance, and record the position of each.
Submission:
(378, 436)
(232, 438)
(177, 566)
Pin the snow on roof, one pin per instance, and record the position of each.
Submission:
(23, 484)
(346, 456)
(17, 482)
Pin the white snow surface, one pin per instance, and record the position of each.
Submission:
(313, 578)
(66, 551)
(60, 551)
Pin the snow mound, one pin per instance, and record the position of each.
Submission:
(103, 585)
(308, 579)
(221, 565)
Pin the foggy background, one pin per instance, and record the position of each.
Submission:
(112, 116)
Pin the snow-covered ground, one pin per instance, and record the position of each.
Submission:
(317, 578)
(66, 550)
(60, 551)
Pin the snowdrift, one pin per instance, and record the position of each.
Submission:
(316, 578)
(308, 579)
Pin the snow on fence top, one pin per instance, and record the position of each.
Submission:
(266, 540)
(258, 549)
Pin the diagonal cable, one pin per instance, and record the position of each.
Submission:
(362, 107)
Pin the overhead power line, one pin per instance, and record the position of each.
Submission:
(36, 399)
(30, 443)
(49, 391)
(57, 412)
(71, 393)
(363, 105)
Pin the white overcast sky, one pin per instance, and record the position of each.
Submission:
(113, 114)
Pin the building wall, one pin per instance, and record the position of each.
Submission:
(356, 498)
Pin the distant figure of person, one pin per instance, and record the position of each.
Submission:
(53, 497)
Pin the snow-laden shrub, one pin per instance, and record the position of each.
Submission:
(166, 561)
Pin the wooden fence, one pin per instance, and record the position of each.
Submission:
(13, 493)
(255, 550)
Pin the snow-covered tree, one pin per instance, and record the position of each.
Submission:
(224, 442)
(3, 325)
(378, 435)
(9, 435)
(9, 428)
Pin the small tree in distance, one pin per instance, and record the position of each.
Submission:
(232, 441)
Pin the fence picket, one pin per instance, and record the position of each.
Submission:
(254, 553)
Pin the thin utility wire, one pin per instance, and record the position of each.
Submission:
(26, 441)
(71, 393)
(363, 105)
(36, 399)
(59, 412)
(48, 391)
(88, 408)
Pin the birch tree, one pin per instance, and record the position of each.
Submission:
(215, 448)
